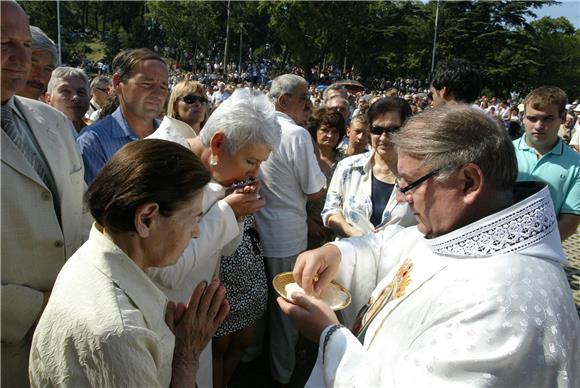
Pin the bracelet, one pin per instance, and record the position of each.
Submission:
(329, 333)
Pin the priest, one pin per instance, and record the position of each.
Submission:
(474, 295)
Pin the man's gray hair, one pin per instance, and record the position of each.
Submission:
(340, 88)
(285, 84)
(451, 136)
(101, 81)
(64, 72)
(246, 117)
(41, 42)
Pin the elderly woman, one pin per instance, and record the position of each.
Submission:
(236, 139)
(188, 103)
(326, 126)
(106, 323)
(361, 198)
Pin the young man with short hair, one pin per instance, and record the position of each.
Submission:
(543, 156)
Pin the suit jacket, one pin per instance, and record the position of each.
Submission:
(34, 245)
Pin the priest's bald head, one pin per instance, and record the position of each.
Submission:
(456, 165)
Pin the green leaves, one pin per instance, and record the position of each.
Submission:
(385, 38)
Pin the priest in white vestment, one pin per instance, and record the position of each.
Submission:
(475, 295)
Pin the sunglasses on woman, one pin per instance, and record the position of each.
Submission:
(378, 130)
(192, 99)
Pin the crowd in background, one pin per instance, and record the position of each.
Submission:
(291, 166)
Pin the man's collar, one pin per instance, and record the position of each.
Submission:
(284, 116)
(525, 225)
(558, 148)
(122, 129)
(12, 104)
(123, 125)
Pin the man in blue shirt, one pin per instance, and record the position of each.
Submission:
(543, 156)
(140, 82)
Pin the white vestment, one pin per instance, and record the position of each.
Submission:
(487, 305)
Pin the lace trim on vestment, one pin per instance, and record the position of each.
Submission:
(506, 232)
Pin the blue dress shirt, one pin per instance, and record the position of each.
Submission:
(100, 140)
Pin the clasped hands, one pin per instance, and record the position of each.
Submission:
(194, 325)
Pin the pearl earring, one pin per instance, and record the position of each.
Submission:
(213, 161)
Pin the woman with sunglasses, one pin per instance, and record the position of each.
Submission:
(361, 198)
(188, 103)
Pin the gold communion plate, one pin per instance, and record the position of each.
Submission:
(335, 296)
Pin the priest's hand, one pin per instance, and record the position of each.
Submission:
(310, 314)
(315, 269)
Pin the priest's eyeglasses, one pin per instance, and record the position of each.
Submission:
(412, 185)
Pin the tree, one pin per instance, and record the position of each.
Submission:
(558, 47)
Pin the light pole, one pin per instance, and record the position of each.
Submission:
(58, 31)
(345, 54)
(227, 42)
(240, 63)
(435, 36)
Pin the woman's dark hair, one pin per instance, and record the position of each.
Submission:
(328, 117)
(144, 171)
(389, 104)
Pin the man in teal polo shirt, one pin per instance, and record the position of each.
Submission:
(543, 156)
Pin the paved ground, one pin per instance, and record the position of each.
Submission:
(572, 250)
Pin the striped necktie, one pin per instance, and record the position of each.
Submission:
(27, 148)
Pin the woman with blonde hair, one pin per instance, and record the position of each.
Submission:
(188, 103)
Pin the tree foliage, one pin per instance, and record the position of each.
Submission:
(385, 38)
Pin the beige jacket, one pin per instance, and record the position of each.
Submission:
(34, 246)
(104, 325)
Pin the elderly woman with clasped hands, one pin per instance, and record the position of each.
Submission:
(107, 324)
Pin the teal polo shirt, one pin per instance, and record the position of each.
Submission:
(559, 168)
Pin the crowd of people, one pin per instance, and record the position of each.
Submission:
(146, 212)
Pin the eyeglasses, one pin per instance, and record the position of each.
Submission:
(104, 90)
(192, 99)
(378, 130)
(412, 185)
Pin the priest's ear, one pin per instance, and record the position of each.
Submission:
(472, 182)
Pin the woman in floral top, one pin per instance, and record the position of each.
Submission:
(361, 198)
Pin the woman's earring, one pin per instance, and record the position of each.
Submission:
(213, 161)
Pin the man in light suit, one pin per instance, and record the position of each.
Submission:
(43, 221)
